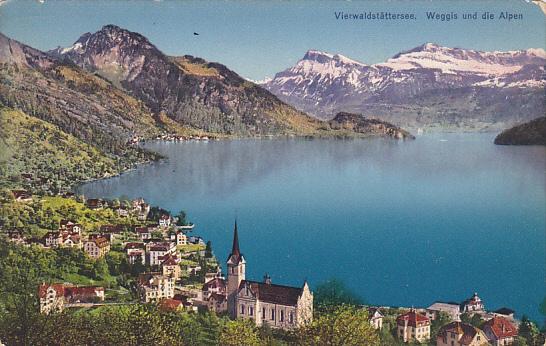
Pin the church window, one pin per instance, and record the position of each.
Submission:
(291, 317)
(273, 314)
(282, 316)
(242, 309)
(251, 311)
(263, 313)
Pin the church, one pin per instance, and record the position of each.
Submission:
(264, 302)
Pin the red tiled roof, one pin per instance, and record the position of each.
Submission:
(170, 260)
(466, 331)
(82, 290)
(134, 246)
(168, 304)
(501, 327)
(413, 318)
(42, 289)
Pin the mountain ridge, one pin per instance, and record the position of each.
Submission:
(405, 89)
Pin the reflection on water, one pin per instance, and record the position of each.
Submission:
(401, 222)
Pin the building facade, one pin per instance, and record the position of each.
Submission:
(413, 326)
(264, 302)
(460, 334)
(153, 287)
(500, 331)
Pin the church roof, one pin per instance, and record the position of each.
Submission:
(272, 293)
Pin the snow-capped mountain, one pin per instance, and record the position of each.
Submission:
(429, 85)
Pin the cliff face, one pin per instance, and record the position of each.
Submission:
(531, 133)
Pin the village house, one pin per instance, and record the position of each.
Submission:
(70, 227)
(412, 326)
(164, 220)
(505, 312)
(375, 317)
(121, 211)
(264, 302)
(158, 250)
(51, 298)
(450, 309)
(22, 195)
(196, 240)
(143, 232)
(154, 287)
(179, 238)
(500, 331)
(15, 236)
(96, 247)
(171, 266)
(460, 334)
(169, 304)
(216, 285)
(472, 304)
(72, 240)
(114, 229)
(141, 209)
(54, 297)
(53, 239)
(217, 303)
(135, 253)
(94, 203)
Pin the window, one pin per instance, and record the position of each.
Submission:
(251, 311)
(242, 309)
(291, 317)
(272, 314)
(263, 313)
(282, 316)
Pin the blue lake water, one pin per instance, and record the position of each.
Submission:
(401, 223)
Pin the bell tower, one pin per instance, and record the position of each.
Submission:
(236, 273)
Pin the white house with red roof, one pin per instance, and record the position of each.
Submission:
(171, 266)
(158, 250)
(500, 331)
(165, 220)
(460, 334)
(472, 304)
(55, 297)
(375, 317)
(412, 326)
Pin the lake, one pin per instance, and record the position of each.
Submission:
(401, 223)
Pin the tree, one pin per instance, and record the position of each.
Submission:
(181, 218)
(441, 320)
(334, 292)
(528, 331)
(208, 250)
(239, 333)
(340, 325)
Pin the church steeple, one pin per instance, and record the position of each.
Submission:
(235, 256)
(236, 273)
(235, 248)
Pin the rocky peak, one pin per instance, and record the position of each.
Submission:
(324, 58)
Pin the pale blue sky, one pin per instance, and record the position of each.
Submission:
(258, 39)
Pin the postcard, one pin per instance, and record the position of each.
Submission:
(272, 172)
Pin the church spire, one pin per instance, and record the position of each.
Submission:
(235, 248)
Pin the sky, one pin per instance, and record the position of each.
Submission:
(258, 39)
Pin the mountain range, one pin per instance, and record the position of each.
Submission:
(427, 86)
(114, 85)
